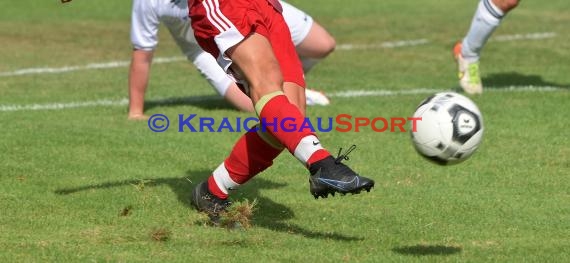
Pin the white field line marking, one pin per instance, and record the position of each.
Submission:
(380, 93)
(112, 64)
(392, 44)
(342, 94)
(530, 36)
(61, 106)
(159, 60)
(386, 93)
(102, 102)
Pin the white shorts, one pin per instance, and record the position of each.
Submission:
(299, 22)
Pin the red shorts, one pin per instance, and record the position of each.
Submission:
(221, 24)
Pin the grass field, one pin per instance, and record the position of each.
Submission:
(84, 184)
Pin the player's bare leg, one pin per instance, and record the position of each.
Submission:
(506, 5)
(254, 58)
(138, 80)
(316, 46)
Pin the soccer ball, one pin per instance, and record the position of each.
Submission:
(450, 129)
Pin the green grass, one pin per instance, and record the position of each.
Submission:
(67, 176)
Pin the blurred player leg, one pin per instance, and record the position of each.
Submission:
(317, 45)
(487, 18)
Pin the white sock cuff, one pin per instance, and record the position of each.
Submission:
(223, 179)
(306, 147)
(490, 12)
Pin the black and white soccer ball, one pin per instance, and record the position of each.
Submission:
(451, 128)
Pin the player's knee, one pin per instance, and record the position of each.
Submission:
(269, 82)
(507, 5)
(330, 46)
(327, 46)
(510, 4)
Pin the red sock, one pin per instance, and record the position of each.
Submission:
(283, 120)
(250, 156)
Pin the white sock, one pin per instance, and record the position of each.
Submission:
(306, 148)
(487, 18)
(223, 179)
(309, 63)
